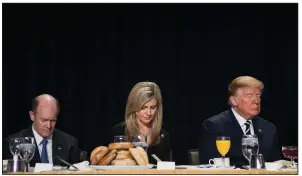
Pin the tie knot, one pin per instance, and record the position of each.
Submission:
(247, 123)
(247, 129)
(44, 141)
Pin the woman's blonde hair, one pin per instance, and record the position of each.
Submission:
(140, 94)
(243, 81)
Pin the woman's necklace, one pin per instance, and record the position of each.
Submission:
(145, 135)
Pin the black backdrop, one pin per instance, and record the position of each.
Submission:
(89, 56)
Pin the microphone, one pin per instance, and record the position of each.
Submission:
(69, 164)
(59, 152)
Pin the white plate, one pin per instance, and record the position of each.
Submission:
(218, 168)
(96, 167)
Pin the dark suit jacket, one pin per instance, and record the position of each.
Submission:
(161, 149)
(226, 124)
(63, 145)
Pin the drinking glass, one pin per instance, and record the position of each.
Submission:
(290, 152)
(14, 146)
(120, 138)
(24, 147)
(223, 144)
(140, 141)
(15, 166)
(257, 161)
(250, 145)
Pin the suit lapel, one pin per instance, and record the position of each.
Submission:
(57, 148)
(237, 130)
(54, 148)
(257, 128)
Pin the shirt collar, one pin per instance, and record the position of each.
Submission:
(239, 118)
(38, 137)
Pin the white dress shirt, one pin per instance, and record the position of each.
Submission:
(241, 122)
(39, 139)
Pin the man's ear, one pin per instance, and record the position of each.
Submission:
(32, 116)
(233, 101)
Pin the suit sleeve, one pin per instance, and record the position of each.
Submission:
(74, 152)
(5, 149)
(275, 154)
(207, 142)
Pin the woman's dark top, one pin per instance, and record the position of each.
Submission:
(161, 149)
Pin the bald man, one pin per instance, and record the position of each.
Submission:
(50, 142)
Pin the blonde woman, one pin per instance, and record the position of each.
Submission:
(143, 120)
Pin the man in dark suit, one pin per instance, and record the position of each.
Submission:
(241, 118)
(50, 142)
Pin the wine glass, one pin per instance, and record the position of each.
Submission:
(120, 138)
(223, 144)
(14, 146)
(140, 141)
(24, 147)
(250, 145)
(290, 152)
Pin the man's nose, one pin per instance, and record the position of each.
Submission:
(256, 99)
(48, 124)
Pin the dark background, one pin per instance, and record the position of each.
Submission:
(89, 56)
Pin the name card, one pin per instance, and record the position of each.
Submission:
(43, 167)
(165, 165)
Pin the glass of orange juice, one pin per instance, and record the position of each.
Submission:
(223, 144)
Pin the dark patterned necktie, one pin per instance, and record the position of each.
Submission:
(44, 156)
(248, 127)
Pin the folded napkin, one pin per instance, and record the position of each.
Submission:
(284, 163)
(276, 165)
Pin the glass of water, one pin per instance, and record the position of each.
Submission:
(24, 147)
(140, 141)
(250, 145)
(120, 138)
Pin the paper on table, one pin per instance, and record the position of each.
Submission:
(43, 167)
(165, 165)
